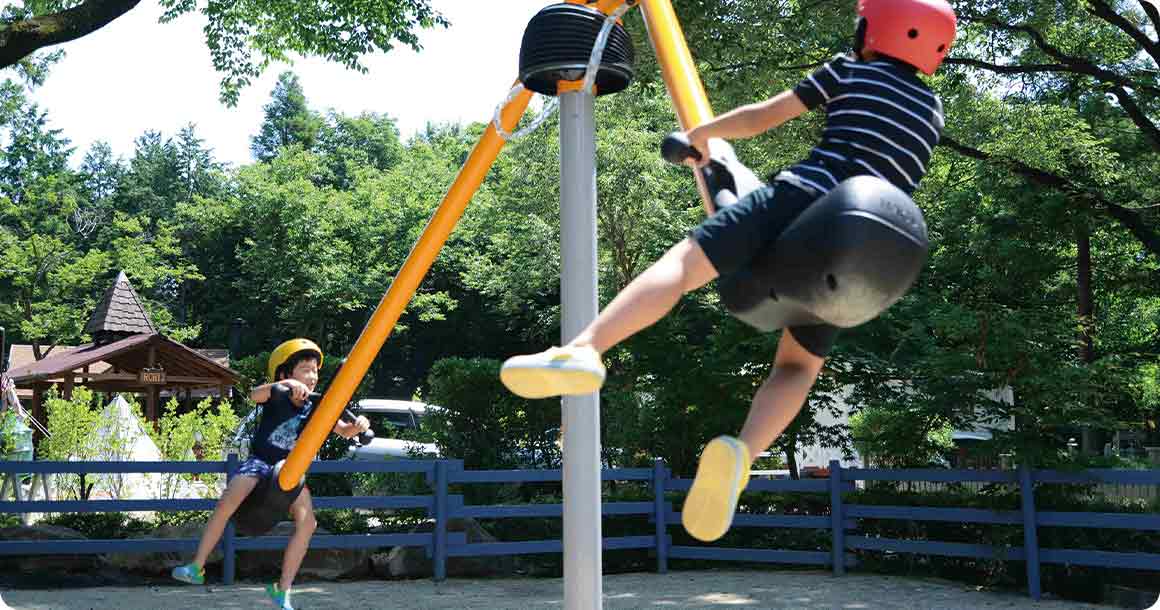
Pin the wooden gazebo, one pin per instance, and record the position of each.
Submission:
(127, 355)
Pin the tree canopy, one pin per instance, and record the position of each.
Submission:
(243, 37)
(1043, 283)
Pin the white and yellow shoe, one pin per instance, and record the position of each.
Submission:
(721, 476)
(555, 372)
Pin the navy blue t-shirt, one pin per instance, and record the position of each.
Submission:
(881, 120)
(280, 426)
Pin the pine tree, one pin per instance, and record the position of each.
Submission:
(288, 120)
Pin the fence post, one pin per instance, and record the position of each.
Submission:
(440, 520)
(1030, 534)
(836, 520)
(229, 554)
(660, 481)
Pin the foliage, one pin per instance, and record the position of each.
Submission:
(288, 121)
(243, 38)
(1046, 168)
(478, 421)
(199, 433)
(891, 437)
(74, 425)
(101, 526)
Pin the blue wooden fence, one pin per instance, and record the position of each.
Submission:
(442, 506)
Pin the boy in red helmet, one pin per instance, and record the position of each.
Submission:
(881, 120)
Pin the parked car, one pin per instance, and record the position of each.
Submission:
(390, 418)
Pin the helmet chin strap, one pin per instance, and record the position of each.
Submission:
(860, 37)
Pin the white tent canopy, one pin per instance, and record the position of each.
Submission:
(124, 438)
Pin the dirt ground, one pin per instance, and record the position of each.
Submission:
(702, 589)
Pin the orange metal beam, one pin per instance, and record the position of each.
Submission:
(679, 72)
(387, 314)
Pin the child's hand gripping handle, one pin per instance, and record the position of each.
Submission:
(364, 438)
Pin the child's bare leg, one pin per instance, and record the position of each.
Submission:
(302, 510)
(236, 491)
(781, 397)
(723, 470)
(649, 297)
(576, 369)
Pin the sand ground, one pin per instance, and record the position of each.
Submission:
(701, 589)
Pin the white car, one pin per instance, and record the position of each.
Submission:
(388, 417)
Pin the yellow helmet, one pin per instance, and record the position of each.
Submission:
(283, 352)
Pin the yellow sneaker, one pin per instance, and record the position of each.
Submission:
(721, 476)
(556, 372)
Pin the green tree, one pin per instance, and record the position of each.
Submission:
(288, 121)
(73, 427)
(101, 174)
(198, 433)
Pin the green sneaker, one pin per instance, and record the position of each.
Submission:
(189, 573)
(280, 598)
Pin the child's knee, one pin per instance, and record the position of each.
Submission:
(306, 523)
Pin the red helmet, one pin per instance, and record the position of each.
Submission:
(918, 32)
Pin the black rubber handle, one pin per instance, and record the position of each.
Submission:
(675, 148)
(364, 438)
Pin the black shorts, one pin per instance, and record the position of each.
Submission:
(736, 234)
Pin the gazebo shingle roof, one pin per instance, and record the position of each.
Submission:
(120, 312)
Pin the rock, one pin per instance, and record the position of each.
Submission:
(37, 564)
(1130, 597)
(412, 562)
(326, 564)
(160, 564)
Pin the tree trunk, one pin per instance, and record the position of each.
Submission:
(1085, 309)
(791, 456)
(1086, 306)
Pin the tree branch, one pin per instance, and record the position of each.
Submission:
(1130, 219)
(1101, 9)
(1153, 11)
(1131, 108)
(1138, 117)
(1001, 69)
(22, 38)
(764, 63)
(1077, 65)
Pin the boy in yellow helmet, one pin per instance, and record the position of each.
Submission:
(293, 374)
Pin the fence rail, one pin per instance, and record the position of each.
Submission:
(442, 505)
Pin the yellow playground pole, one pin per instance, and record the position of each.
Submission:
(680, 74)
(387, 314)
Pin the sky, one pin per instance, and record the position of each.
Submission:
(136, 74)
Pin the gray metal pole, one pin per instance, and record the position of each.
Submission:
(581, 418)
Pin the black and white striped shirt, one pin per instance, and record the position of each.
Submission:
(880, 120)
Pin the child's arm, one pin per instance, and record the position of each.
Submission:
(298, 390)
(748, 121)
(350, 430)
(261, 394)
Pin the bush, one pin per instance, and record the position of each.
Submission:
(74, 425)
(895, 438)
(181, 517)
(101, 526)
(485, 425)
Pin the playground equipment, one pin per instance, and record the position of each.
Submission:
(573, 50)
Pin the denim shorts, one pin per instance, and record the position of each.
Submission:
(736, 234)
(255, 467)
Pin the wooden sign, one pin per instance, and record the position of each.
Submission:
(153, 376)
